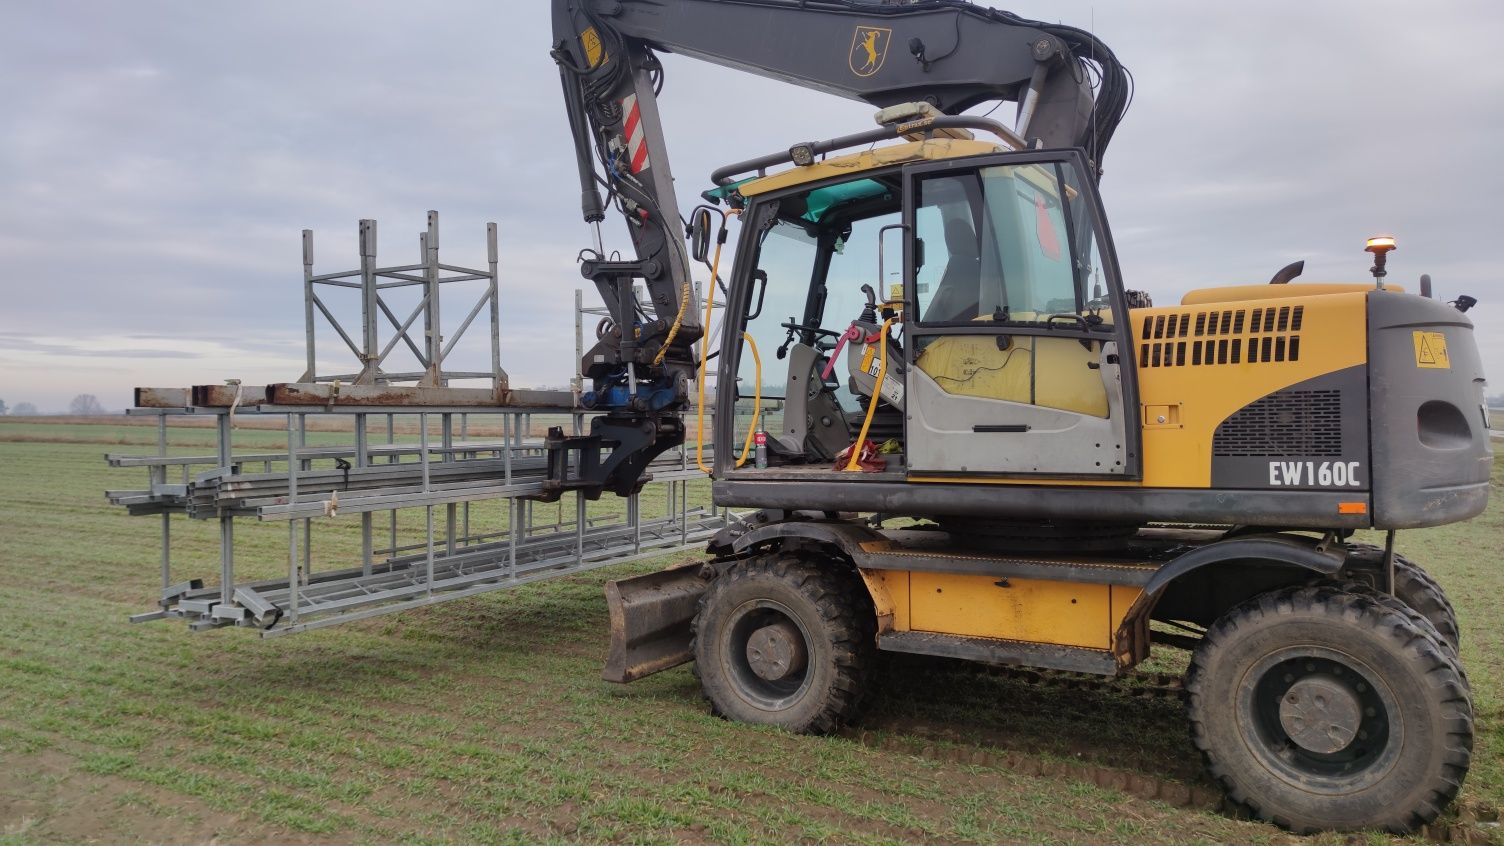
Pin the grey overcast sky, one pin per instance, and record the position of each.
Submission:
(158, 159)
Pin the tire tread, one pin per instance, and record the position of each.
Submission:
(1420, 645)
(1413, 584)
(842, 604)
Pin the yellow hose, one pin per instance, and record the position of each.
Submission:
(715, 271)
(756, 401)
(673, 330)
(882, 373)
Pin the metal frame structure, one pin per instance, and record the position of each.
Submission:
(434, 346)
(309, 486)
(305, 485)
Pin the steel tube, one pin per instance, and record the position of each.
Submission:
(447, 421)
(465, 324)
(305, 464)
(363, 460)
(428, 510)
(292, 526)
(402, 333)
(334, 323)
(498, 376)
(310, 374)
(368, 299)
(226, 521)
(391, 439)
(159, 473)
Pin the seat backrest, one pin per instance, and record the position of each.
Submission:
(956, 296)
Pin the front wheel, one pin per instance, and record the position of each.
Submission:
(1320, 709)
(786, 641)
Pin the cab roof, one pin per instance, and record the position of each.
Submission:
(932, 149)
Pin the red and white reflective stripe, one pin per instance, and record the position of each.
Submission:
(637, 148)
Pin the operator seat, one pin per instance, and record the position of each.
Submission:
(956, 296)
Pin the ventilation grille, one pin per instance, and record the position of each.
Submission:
(1286, 424)
(1230, 336)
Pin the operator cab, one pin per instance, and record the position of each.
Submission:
(993, 277)
(814, 259)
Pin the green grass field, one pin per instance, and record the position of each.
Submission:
(485, 720)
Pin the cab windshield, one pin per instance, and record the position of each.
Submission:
(813, 258)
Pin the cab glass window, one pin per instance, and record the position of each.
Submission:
(1006, 242)
(779, 293)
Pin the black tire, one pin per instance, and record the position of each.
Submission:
(821, 602)
(1393, 603)
(1320, 709)
(1413, 585)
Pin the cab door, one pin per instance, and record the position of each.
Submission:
(1020, 354)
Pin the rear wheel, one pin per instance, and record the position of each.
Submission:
(786, 641)
(1393, 603)
(1319, 709)
(1413, 585)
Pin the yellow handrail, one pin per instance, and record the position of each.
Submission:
(882, 373)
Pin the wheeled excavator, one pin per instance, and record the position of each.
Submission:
(954, 430)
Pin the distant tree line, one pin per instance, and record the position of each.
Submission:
(83, 405)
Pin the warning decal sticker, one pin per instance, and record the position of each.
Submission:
(1431, 351)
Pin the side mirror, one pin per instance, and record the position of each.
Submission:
(700, 225)
(882, 266)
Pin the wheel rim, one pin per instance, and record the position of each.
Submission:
(1320, 720)
(766, 649)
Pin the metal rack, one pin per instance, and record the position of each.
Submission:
(487, 449)
(310, 486)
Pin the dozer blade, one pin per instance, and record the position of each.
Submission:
(650, 617)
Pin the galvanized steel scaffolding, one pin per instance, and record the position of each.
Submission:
(309, 486)
(429, 274)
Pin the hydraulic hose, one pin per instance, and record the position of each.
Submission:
(673, 330)
(877, 392)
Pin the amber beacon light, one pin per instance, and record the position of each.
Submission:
(1380, 246)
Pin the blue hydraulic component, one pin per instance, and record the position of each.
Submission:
(611, 393)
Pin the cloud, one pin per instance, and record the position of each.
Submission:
(155, 181)
(23, 343)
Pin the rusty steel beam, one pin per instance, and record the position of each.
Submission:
(321, 393)
(529, 398)
(309, 393)
(417, 396)
(163, 398)
(224, 396)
